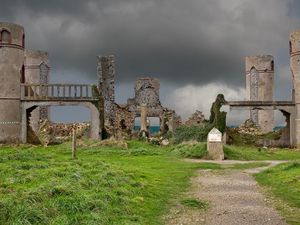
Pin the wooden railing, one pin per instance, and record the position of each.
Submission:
(58, 92)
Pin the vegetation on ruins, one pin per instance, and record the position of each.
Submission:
(217, 118)
(199, 132)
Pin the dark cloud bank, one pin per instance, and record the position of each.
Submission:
(180, 42)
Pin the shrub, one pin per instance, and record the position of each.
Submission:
(195, 133)
(191, 150)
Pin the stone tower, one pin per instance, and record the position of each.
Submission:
(259, 87)
(295, 68)
(106, 76)
(37, 72)
(12, 39)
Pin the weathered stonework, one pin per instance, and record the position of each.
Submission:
(23, 88)
(11, 75)
(259, 87)
(106, 76)
(295, 68)
(37, 70)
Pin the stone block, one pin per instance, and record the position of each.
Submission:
(215, 145)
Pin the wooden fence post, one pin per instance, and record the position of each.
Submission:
(74, 147)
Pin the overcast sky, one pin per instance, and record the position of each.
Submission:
(195, 47)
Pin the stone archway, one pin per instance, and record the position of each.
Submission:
(96, 120)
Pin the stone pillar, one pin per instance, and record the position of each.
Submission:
(171, 123)
(143, 109)
(106, 85)
(215, 145)
(259, 87)
(295, 68)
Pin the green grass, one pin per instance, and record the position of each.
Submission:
(256, 153)
(283, 181)
(190, 150)
(103, 186)
(194, 203)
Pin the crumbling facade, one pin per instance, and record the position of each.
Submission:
(25, 93)
(37, 69)
(119, 119)
(290, 109)
(295, 69)
(259, 87)
(106, 78)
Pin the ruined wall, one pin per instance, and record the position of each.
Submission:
(106, 76)
(12, 70)
(295, 68)
(147, 93)
(37, 71)
(259, 87)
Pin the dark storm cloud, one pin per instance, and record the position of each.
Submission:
(182, 42)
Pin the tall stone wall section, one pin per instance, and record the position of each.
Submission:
(295, 68)
(106, 77)
(12, 72)
(37, 71)
(259, 87)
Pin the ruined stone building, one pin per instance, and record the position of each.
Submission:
(25, 94)
(260, 85)
(120, 119)
(18, 66)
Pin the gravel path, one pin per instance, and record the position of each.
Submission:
(234, 197)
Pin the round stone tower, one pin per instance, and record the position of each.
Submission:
(295, 68)
(259, 87)
(12, 73)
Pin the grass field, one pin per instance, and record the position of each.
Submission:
(283, 182)
(258, 153)
(103, 186)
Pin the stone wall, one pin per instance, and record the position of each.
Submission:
(37, 70)
(106, 76)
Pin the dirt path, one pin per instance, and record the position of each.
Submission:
(234, 197)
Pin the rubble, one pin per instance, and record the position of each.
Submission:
(196, 119)
(249, 127)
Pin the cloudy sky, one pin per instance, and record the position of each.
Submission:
(195, 47)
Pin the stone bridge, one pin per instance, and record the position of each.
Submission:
(286, 107)
(34, 95)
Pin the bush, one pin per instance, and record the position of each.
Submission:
(191, 150)
(195, 133)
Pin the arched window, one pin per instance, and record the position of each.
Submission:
(272, 65)
(5, 36)
(22, 75)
